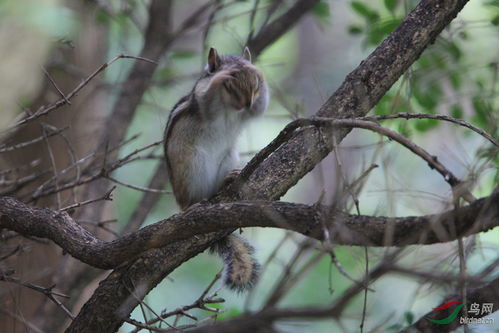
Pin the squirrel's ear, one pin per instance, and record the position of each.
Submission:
(213, 60)
(247, 54)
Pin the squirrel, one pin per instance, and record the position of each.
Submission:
(200, 151)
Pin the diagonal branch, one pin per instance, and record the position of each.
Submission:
(269, 33)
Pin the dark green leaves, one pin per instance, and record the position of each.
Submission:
(321, 12)
(390, 4)
(369, 14)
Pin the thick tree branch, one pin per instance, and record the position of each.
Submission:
(346, 229)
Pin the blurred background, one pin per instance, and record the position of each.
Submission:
(46, 45)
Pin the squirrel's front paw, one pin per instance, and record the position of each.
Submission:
(231, 177)
(221, 77)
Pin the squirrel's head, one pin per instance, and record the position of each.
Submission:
(247, 82)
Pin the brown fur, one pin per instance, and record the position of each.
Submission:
(200, 142)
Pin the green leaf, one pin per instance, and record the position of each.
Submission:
(439, 59)
(456, 111)
(229, 313)
(404, 129)
(428, 99)
(354, 29)
(424, 62)
(409, 317)
(165, 73)
(183, 54)
(454, 50)
(368, 13)
(101, 16)
(390, 4)
(493, 3)
(455, 79)
(321, 11)
(380, 30)
(383, 106)
(481, 112)
(423, 125)
(463, 35)
(495, 20)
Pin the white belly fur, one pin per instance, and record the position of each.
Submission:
(214, 157)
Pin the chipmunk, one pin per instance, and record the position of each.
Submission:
(200, 145)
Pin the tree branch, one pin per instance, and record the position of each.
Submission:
(269, 33)
(345, 229)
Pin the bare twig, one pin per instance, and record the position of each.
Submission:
(53, 164)
(138, 188)
(46, 291)
(20, 145)
(55, 86)
(108, 196)
(366, 283)
(430, 159)
(44, 110)
(199, 303)
(436, 117)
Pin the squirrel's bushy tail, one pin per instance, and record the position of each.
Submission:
(241, 268)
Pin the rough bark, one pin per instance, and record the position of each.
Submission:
(345, 229)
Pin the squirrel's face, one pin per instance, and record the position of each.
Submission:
(243, 86)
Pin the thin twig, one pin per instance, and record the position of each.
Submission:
(366, 282)
(198, 303)
(436, 117)
(46, 291)
(346, 186)
(5, 149)
(55, 86)
(31, 164)
(102, 225)
(108, 196)
(462, 279)
(138, 188)
(63, 101)
(38, 192)
(53, 164)
(22, 320)
(432, 161)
